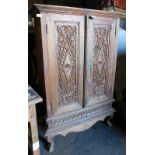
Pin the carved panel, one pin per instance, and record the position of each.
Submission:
(66, 56)
(81, 114)
(100, 59)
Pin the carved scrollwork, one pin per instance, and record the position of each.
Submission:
(67, 67)
(66, 55)
(80, 115)
(100, 60)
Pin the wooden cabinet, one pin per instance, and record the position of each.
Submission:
(77, 49)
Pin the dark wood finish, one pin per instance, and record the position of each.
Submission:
(76, 3)
(77, 11)
(120, 4)
(79, 59)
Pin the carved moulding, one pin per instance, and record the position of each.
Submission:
(93, 113)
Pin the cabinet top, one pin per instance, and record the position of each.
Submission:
(79, 11)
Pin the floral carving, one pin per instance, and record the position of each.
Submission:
(105, 108)
(66, 55)
(100, 60)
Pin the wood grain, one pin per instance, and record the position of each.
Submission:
(79, 49)
(99, 59)
(33, 127)
(78, 11)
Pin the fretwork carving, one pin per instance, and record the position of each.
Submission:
(100, 60)
(90, 112)
(66, 56)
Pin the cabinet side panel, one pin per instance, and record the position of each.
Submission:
(117, 25)
(47, 80)
(39, 61)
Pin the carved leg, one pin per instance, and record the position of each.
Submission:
(51, 149)
(108, 121)
(50, 144)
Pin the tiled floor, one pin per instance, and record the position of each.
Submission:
(100, 139)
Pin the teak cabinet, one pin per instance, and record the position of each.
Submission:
(77, 51)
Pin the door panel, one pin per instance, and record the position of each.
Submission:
(100, 58)
(66, 58)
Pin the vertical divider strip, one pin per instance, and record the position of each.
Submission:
(85, 61)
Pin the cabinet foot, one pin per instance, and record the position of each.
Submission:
(109, 123)
(51, 145)
(107, 120)
(51, 149)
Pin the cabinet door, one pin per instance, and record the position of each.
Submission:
(100, 59)
(65, 46)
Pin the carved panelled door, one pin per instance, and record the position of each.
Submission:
(65, 35)
(100, 59)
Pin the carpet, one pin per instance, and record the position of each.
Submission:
(100, 139)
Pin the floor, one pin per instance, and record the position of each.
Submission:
(100, 139)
